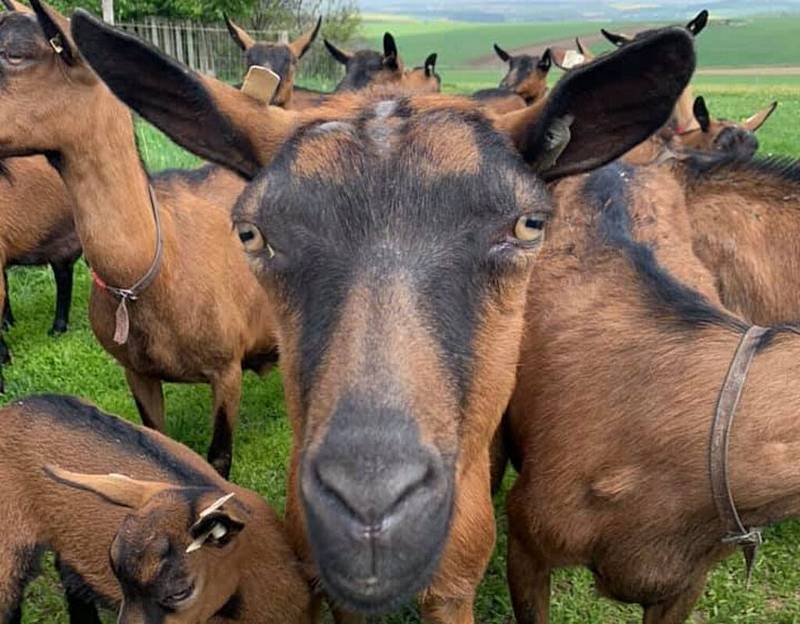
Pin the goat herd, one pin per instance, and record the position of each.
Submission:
(590, 282)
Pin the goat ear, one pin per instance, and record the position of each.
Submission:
(545, 62)
(566, 59)
(696, 25)
(206, 116)
(113, 488)
(389, 46)
(239, 35)
(430, 64)
(216, 525)
(56, 30)
(618, 39)
(701, 114)
(599, 111)
(18, 7)
(504, 56)
(336, 53)
(756, 121)
(301, 45)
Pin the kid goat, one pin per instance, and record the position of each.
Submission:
(395, 236)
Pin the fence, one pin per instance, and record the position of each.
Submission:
(207, 49)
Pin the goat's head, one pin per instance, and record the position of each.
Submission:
(724, 135)
(281, 58)
(527, 75)
(368, 67)
(395, 236)
(177, 554)
(423, 79)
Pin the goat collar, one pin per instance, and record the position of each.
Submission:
(749, 539)
(122, 318)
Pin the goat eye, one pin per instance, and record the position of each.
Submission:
(529, 227)
(252, 239)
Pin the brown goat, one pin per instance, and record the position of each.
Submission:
(613, 457)
(281, 58)
(395, 236)
(141, 541)
(523, 85)
(423, 79)
(36, 227)
(368, 67)
(204, 316)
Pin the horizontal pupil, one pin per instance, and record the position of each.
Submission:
(536, 224)
(246, 236)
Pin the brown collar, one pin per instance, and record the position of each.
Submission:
(731, 392)
(122, 319)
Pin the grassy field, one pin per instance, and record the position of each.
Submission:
(75, 364)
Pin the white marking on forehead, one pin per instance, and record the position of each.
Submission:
(332, 126)
(385, 109)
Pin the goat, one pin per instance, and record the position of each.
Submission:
(613, 446)
(158, 543)
(395, 236)
(368, 67)
(423, 79)
(36, 227)
(524, 84)
(281, 58)
(204, 316)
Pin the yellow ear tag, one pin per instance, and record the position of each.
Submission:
(260, 83)
(572, 58)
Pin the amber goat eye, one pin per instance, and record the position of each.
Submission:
(252, 239)
(529, 227)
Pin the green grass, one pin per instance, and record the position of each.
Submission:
(752, 42)
(75, 364)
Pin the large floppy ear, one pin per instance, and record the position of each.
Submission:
(239, 35)
(206, 116)
(696, 25)
(701, 113)
(56, 30)
(301, 45)
(113, 488)
(504, 56)
(18, 7)
(430, 64)
(618, 39)
(340, 56)
(756, 121)
(599, 111)
(216, 525)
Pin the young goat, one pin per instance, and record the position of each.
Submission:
(171, 541)
(524, 84)
(281, 58)
(395, 236)
(36, 227)
(613, 446)
(204, 316)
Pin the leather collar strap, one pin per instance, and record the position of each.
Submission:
(122, 319)
(728, 401)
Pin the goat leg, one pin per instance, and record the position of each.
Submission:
(149, 399)
(227, 388)
(8, 316)
(529, 582)
(678, 609)
(63, 273)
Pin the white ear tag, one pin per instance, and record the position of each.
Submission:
(260, 83)
(572, 58)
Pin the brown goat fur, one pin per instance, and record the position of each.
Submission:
(56, 454)
(36, 227)
(634, 432)
(204, 316)
(397, 281)
(524, 84)
(423, 79)
(281, 58)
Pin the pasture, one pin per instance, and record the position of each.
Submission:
(76, 364)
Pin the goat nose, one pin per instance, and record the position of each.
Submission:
(371, 493)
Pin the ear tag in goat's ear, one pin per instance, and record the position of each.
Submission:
(557, 138)
(55, 43)
(572, 59)
(260, 83)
